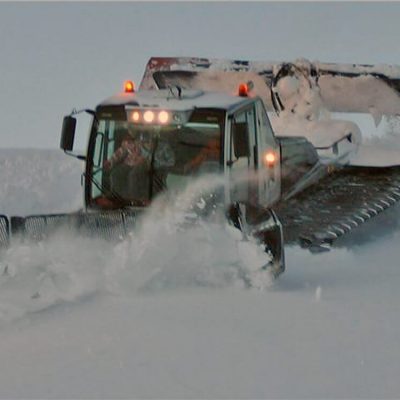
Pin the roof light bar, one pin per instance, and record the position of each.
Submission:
(149, 116)
(154, 116)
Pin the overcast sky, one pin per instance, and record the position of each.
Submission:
(57, 56)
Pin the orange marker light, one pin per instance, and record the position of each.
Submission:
(129, 87)
(269, 158)
(163, 117)
(243, 90)
(135, 116)
(148, 116)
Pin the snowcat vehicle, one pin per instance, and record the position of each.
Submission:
(297, 177)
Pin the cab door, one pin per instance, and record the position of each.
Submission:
(268, 157)
(253, 157)
(242, 156)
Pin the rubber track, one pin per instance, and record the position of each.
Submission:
(337, 204)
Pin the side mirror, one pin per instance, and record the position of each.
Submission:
(241, 139)
(68, 133)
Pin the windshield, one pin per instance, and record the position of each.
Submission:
(133, 163)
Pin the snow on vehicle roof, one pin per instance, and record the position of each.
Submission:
(321, 133)
(304, 95)
(373, 89)
(169, 99)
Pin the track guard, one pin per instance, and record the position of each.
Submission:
(263, 224)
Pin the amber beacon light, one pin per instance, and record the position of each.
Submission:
(129, 87)
(243, 90)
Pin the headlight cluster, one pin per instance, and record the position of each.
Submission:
(149, 116)
(157, 117)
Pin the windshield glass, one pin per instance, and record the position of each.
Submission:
(133, 163)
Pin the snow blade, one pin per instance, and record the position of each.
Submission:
(112, 225)
(4, 231)
(358, 88)
(303, 95)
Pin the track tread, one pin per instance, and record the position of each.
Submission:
(337, 204)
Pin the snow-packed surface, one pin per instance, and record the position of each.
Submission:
(165, 314)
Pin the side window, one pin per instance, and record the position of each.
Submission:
(98, 150)
(239, 142)
(267, 137)
(103, 149)
(243, 159)
(243, 139)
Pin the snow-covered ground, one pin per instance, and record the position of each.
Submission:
(165, 313)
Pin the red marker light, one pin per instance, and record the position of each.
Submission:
(129, 87)
(269, 158)
(243, 90)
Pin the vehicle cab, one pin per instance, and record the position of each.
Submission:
(148, 142)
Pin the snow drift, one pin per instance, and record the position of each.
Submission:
(165, 314)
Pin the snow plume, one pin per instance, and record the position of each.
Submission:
(174, 247)
(170, 248)
(39, 181)
(36, 276)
